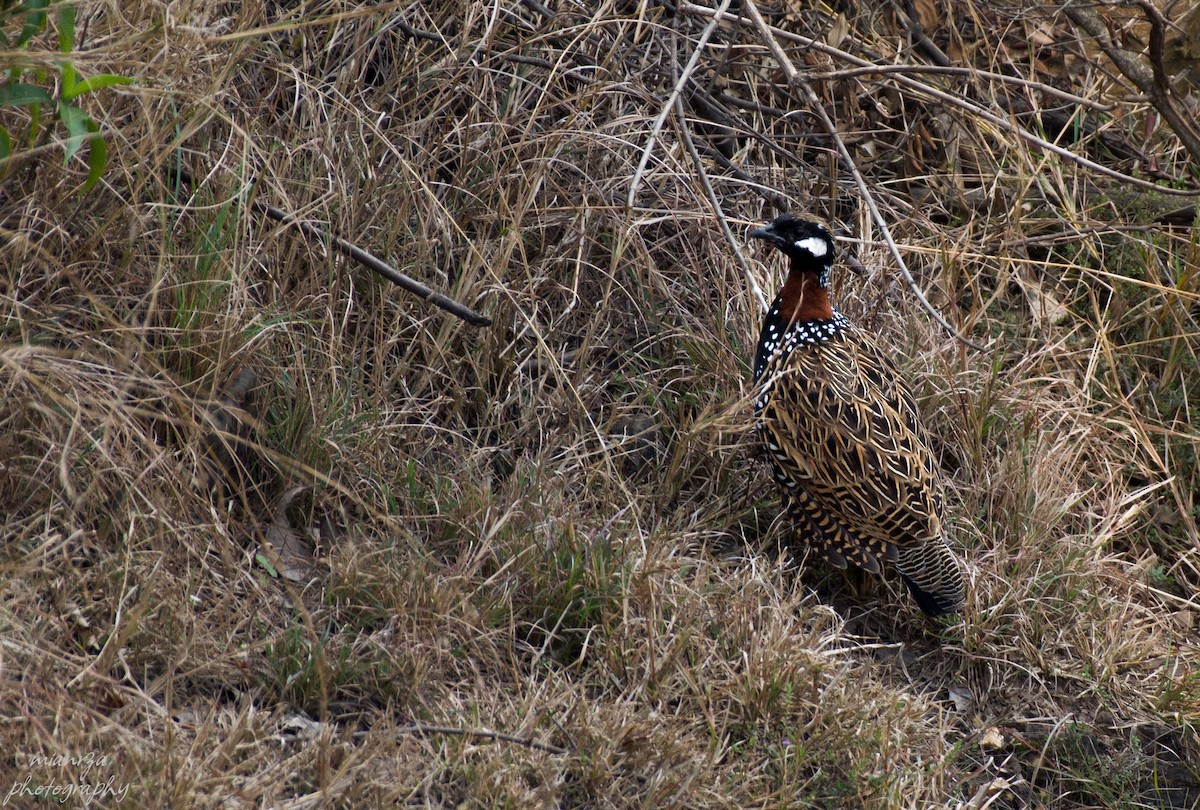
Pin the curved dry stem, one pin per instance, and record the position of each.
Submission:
(863, 189)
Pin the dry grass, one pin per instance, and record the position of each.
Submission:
(557, 528)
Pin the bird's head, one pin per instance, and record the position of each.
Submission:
(808, 244)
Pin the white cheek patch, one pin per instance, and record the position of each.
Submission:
(813, 245)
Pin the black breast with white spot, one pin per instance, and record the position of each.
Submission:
(777, 341)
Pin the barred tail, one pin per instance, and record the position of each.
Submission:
(934, 577)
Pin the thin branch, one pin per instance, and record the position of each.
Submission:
(690, 145)
(670, 105)
(961, 103)
(701, 98)
(359, 255)
(423, 730)
(1158, 39)
(795, 79)
(378, 265)
(416, 33)
(917, 31)
(1152, 81)
(681, 116)
(967, 72)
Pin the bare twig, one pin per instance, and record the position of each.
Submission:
(670, 105)
(734, 244)
(966, 72)
(417, 33)
(690, 145)
(423, 730)
(702, 99)
(378, 265)
(1158, 40)
(359, 255)
(956, 101)
(818, 108)
(919, 37)
(1152, 81)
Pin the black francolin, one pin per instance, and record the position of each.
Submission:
(842, 431)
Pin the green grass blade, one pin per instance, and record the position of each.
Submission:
(97, 158)
(94, 83)
(76, 121)
(67, 70)
(66, 28)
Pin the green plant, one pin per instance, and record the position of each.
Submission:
(46, 108)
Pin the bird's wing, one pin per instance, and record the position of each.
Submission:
(841, 425)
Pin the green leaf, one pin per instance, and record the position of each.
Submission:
(34, 20)
(20, 94)
(95, 83)
(66, 28)
(68, 79)
(76, 121)
(97, 157)
(5, 144)
(262, 560)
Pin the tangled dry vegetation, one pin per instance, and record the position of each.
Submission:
(537, 564)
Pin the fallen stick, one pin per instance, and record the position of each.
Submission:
(359, 255)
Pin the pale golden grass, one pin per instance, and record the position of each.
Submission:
(549, 568)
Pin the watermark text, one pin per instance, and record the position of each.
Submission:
(87, 786)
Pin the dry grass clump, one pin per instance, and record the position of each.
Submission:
(538, 564)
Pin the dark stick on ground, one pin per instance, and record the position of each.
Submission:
(361, 256)
(378, 265)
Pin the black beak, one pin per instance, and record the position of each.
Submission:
(764, 232)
